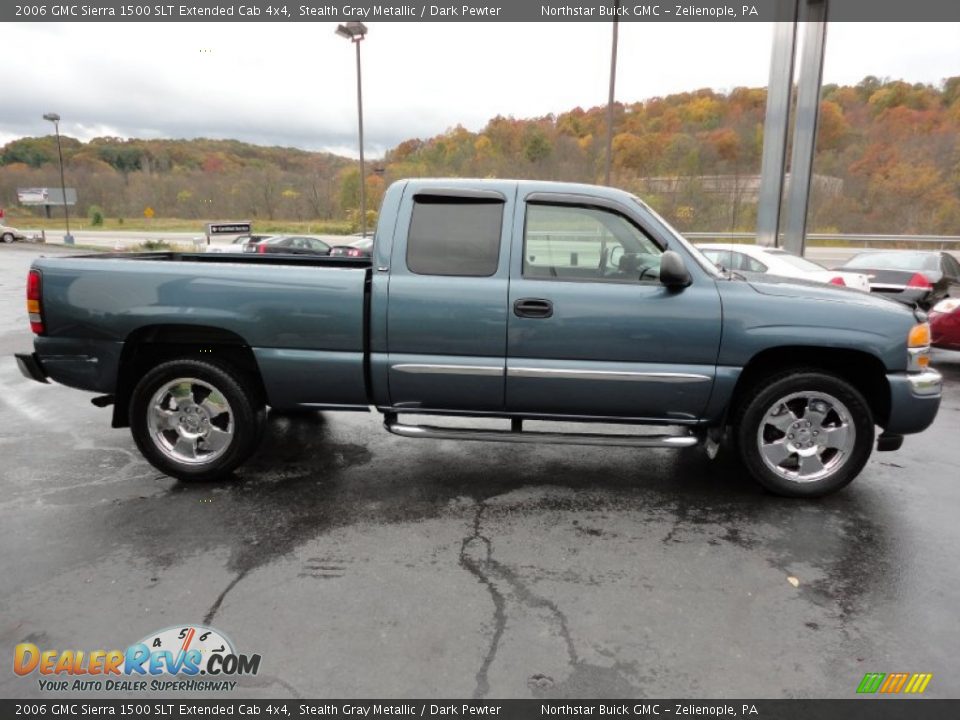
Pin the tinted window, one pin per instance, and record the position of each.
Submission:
(718, 257)
(454, 236)
(580, 243)
(751, 264)
(951, 266)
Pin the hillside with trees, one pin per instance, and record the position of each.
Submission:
(888, 161)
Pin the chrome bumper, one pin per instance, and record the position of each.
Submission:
(928, 382)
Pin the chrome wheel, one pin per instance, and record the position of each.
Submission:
(190, 421)
(806, 436)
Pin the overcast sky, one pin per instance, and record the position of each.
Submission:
(294, 84)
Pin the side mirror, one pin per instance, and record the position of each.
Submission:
(673, 271)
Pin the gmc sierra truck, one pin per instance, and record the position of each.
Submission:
(516, 300)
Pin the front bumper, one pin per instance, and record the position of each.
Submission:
(914, 401)
(30, 367)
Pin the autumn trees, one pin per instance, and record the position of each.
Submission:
(888, 161)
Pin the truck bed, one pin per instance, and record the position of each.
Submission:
(303, 317)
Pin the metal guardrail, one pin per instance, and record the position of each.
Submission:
(863, 240)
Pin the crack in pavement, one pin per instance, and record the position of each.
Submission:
(475, 568)
(489, 571)
(208, 618)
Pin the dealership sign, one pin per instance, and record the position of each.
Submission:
(228, 228)
(33, 196)
(45, 196)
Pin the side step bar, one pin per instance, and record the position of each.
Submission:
(518, 435)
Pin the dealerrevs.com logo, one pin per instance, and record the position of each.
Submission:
(182, 658)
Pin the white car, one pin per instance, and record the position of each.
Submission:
(240, 244)
(775, 261)
(9, 234)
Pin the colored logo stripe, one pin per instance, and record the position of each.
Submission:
(893, 683)
(871, 682)
(913, 683)
(918, 682)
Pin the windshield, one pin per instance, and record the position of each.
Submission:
(796, 261)
(701, 259)
(894, 261)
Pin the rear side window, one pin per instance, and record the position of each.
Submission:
(454, 236)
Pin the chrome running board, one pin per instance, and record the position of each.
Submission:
(518, 435)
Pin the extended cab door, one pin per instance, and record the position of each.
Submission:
(592, 332)
(447, 300)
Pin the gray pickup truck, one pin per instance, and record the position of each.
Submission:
(516, 300)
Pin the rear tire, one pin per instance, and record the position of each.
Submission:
(805, 433)
(194, 420)
(8, 237)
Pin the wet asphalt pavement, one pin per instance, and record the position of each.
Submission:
(359, 564)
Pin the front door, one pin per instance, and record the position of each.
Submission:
(592, 332)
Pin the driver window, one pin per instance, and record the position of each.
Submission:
(566, 242)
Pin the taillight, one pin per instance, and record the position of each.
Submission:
(262, 249)
(837, 281)
(919, 280)
(353, 252)
(33, 302)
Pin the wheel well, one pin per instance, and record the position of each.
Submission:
(147, 347)
(861, 369)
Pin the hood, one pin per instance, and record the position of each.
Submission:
(811, 290)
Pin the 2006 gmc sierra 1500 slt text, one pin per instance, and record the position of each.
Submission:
(519, 300)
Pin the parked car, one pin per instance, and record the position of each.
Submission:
(518, 300)
(760, 259)
(239, 244)
(359, 248)
(9, 234)
(945, 324)
(914, 277)
(292, 245)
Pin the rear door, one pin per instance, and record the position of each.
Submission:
(447, 306)
(592, 332)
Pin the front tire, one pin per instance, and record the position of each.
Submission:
(8, 238)
(805, 434)
(194, 420)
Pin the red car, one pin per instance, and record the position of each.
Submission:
(945, 324)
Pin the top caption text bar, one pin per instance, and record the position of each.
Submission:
(474, 10)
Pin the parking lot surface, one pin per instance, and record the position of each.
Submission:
(358, 564)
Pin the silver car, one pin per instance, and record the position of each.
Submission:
(9, 234)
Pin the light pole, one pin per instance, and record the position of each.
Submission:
(355, 32)
(55, 119)
(613, 81)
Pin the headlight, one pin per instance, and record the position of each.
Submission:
(947, 305)
(918, 348)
